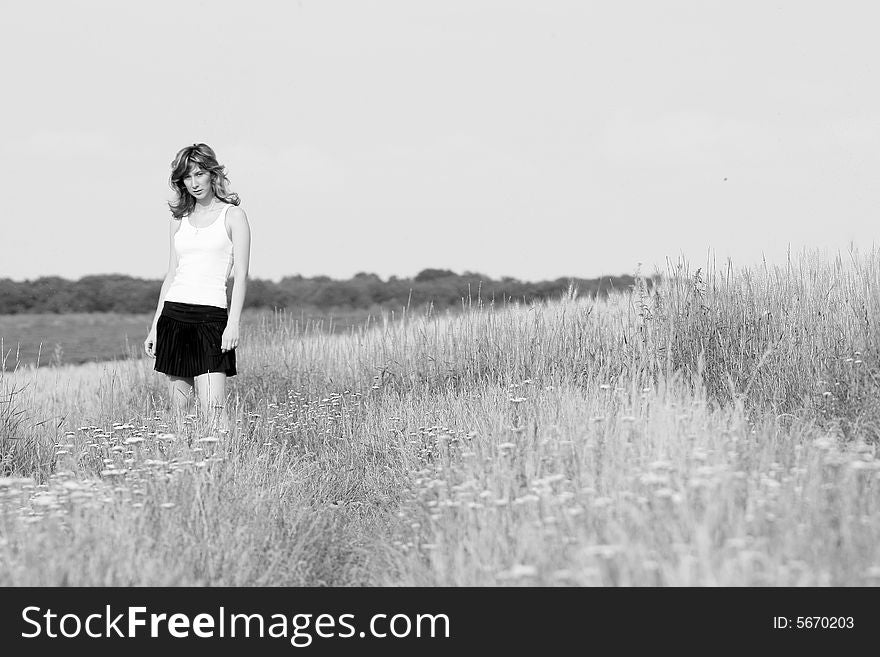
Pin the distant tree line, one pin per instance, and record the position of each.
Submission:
(440, 287)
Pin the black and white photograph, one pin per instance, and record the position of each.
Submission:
(460, 294)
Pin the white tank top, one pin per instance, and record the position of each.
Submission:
(204, 261)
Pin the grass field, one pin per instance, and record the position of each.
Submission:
(720, 429)
(51, 339)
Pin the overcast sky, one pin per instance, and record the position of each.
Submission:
(529, 139)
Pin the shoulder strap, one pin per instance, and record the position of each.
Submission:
(222, 219)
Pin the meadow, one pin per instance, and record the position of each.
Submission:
(720, 428)
(52, 339)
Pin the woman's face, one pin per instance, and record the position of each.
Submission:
(198, 182)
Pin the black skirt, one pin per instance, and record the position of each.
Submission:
(188, 340)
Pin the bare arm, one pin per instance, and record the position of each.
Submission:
(241, 250)
(172, 268)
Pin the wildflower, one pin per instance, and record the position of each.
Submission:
(603, 550)
(653, 478)
(520, 570)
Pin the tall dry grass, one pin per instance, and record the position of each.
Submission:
(718, 429)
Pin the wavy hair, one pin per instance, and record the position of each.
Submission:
(197, 155)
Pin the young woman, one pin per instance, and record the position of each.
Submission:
(194, 336)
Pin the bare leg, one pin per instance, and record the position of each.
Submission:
(180, 392)
(211, 388)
